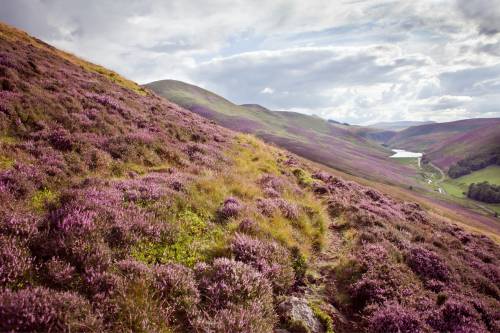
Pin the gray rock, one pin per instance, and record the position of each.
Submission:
(297, 311)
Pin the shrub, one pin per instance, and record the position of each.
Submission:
(177, 288)
(393, 318)
(22, 225)
(45, 310)
(248, 226)
(61, 139)
(234, 298)
(15, 261)
(243, 318)
(270, 258)
(74, 220)
(59, 273)
(269, 206)
(228, 284)
(456, 316)
(229, 209)
(427, 264)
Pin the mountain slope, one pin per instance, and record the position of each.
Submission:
(398, 125)
(123, 212)
(337, 146)
(447, 143)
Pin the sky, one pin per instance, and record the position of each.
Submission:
(352, 60)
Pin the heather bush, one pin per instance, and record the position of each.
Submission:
(60, 139)
(456, 316)
(230, 284)
(45, 310)
(243, 318)
(270, 206)
(271, 259)
(75, 221)
(394, 318)
(19, 224)
(177, 289)
(248, 226)
(58, 273)
(15, 261)
(101, 285)
(427, 264)
(133, 269)
(21, 180)
(230, 208)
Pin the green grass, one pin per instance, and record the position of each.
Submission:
(458, 187)
(490, 174)
(409, 161)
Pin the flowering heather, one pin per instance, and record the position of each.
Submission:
(76, 221)
(60, 139)
(177, 288)
(59, 273)
(231, 285)
(456, 316)
(393, 318)
(18, 224)
(14, 261)
(248, 226)
(231, 207)
(427, 264)
(270, 206)
(133, 268)
(269, 258)
(45, 310)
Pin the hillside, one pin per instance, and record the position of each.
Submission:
(123, 212)
(334, 145)
(447, 143)
(398, 125)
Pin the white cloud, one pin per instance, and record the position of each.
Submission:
(267, 90)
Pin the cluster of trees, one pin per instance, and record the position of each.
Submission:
(484, 192)
(473, 163)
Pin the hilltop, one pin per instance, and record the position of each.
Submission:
(121, 211)
(398, 125)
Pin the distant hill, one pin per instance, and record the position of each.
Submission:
(399, 125)
(447, 143)
(336, 145)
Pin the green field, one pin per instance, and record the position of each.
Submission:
(458, 187)
(490, 174)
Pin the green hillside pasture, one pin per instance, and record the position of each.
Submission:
(459, 186)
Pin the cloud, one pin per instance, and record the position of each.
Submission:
(486, 13)
(354, 61)
(267, 90)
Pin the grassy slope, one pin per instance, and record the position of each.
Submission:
(457, 187)
(335, 145)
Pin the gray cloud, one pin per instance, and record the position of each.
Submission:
(486, 13)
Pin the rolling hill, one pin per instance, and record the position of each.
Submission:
(398, 125)
(121, 211)
(447, 143)
(332, 144)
